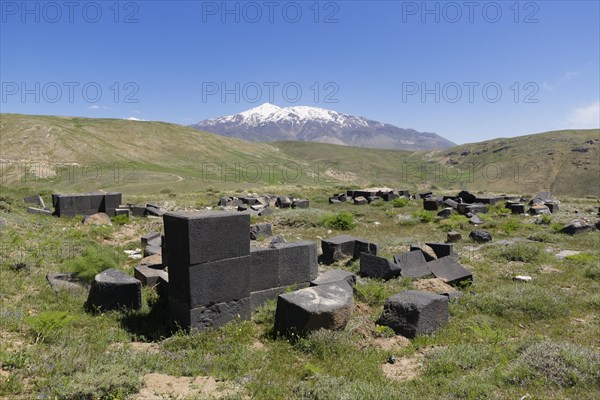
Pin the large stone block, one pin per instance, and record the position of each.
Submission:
(149, 237)
(363, 246)
(476, 209)
(517, 208)
(112, 200)
(98, 201)
(376, 267)
(414, 312)
(213, 282)
(202, 237)
(212, 316)
(427, 251)
(467, 197)
(389, 196)
(442, 249)
(450, 270)
(335, 276)
(305, 310)
(264, 269)
(35, 199)
(552, 206)
(337, 248)
(150, 274)
(412, 264)
(360, 200)
(451, 203)
(431, 203)
(297, 262)
(113, 289)
(260, 230)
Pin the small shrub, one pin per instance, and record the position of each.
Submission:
(407, 220)
(377, 203)
(5, 206)
(590, 264)
(517, 300)
(324, 343)
(48, 324)
(384, 331)
(120, 219)
(455, 222)
(400, 202)
(457, 359)
(424, 215)
(562, 364)
(343, 221)
(556, 227)
(545, 219)
(499, 210)
(93, 260)
(166, 190)
(524, 252)
(511, 226)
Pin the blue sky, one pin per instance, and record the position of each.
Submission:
(468, 71)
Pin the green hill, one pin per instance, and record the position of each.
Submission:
(68, 153)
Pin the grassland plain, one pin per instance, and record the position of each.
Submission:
(505, 340)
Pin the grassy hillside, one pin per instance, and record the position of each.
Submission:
(86, 154)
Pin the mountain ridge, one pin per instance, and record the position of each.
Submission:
(269, 123)
(135, 157)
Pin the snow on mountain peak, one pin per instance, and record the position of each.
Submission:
(268, 113)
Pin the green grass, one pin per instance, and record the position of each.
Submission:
(343, 221)
(504, 339)
(182, 157)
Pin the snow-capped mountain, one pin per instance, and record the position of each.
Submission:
(268, 123)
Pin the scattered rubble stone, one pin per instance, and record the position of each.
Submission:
(475, 220)
(66, 281)
(445, 213)
(35, 199)
(427, 251)
(345, 246)
(260, 230)
(40, 211)
(450, 270)
(113, 289)
(577, 226)
(561, 255)
(305, 310)
(481, 236)
(376, 267)
(413, 312)
(453, 237)
(522, 278)
(412, 264)
(149, 274)
(301, 203)
(96, 219)
(360, 200)
(335, 276)
(539, 209)
(441, 249)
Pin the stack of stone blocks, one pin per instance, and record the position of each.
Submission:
(215, 278)
(70, 205)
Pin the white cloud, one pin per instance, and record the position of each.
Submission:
(585, 117)
(135, 119)
(98, 107)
